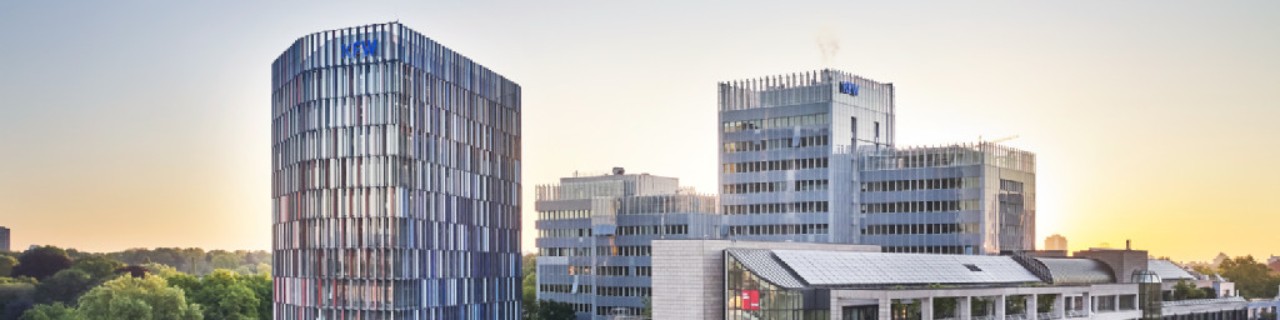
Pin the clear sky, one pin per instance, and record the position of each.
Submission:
(142, 124)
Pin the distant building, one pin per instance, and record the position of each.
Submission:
(4, 240)
(594, 235)
(1274, 263)
(1055, 242)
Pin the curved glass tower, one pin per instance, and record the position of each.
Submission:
(395, 180)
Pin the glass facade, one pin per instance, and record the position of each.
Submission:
(747, 296)
(395, 180)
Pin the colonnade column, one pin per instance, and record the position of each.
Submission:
(926, 309)
(885, 309)
(1000, 303)
(1031, 305)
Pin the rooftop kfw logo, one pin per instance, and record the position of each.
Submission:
(365, 48)
(849, 88)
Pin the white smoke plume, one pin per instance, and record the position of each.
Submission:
(828, 44)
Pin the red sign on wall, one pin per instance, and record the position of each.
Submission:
(750, 300)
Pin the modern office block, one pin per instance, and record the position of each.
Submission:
(812, 157)
(5, 245)
(787, 153)
(958, 199)
(396, 180)
(594, 234)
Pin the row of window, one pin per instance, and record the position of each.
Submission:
(776, 144)
(929, 228)
(624, 251)
(614, 271)
(579, 270)
(620, 251)
(921, 206)
(564, 252)
(779, 122)
(564, 214)
(774, 186)
(563, 288)
(921, 184)
(775, 165)
(619, 311)
(928, 249)
(646, 230)
(770, 208)
(811, 185)
(779, 229)
(564, 233)
(624, 291)
(755, 187)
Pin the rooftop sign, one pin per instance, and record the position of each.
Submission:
(849, 88)
(361, 48)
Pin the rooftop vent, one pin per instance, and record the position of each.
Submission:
(617, 171)
(973, 267)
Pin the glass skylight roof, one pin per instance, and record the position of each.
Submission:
(826, 268)
(1167, 270)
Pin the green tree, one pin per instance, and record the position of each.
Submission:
(1186, 291)
(149, 298)
(261, 286)
(529, 267)
(42, 262)
(188, 283)
(55, 311)
(64, 287)
(99, 268)
(219, 259)
(161, 269)
(555, 310)
(225, 297)
(1253, 279)
(16, 295)
(6, 265)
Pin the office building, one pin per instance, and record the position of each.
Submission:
(787, 153)
(396, 180)
(1055, 242)
(957, 199)
(5, 245)
(723, 279)
(812, 157)
(594, 233)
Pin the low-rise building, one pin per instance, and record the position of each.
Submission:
(723, 279)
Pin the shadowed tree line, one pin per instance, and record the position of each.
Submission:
(50, 283)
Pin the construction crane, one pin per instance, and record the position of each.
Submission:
(999, 140)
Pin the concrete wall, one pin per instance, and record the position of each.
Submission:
(688, 275)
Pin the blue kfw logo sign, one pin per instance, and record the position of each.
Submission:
(849, 88)
(365, 48)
